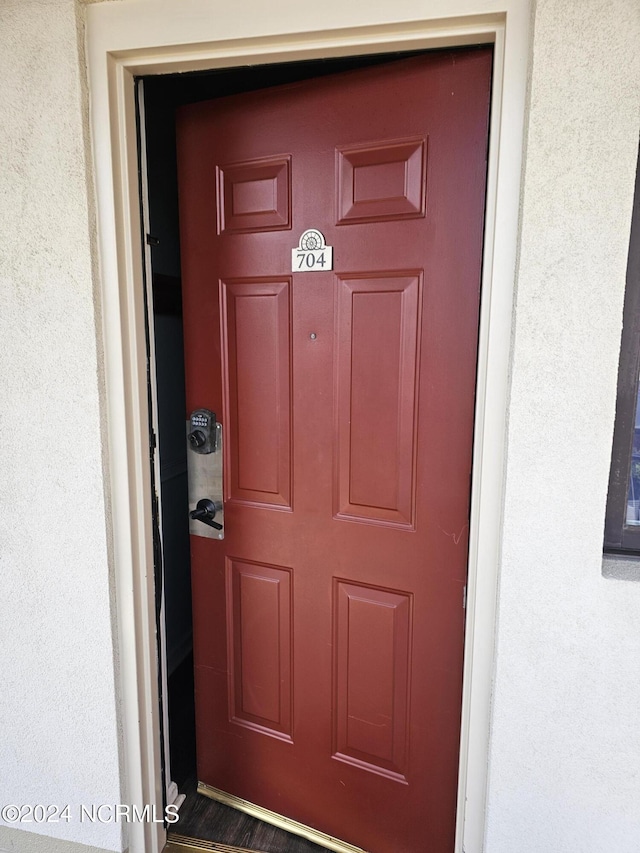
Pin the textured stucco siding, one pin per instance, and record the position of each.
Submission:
(565, 746)
(58, 727)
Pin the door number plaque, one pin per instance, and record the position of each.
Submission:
(312, 253)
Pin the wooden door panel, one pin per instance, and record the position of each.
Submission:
(376, 380)
(256, 315)
(328, 624)
(254, 196)
(372, 667)
(260, 647)
(382, 181)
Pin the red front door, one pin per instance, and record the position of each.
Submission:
(329, 621)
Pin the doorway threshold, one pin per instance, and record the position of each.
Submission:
(206, 824)
(182, 844)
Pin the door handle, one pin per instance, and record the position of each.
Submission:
(204, 467)
(205, 512)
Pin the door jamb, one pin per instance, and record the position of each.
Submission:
(119, 48)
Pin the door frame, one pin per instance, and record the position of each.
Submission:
(142, 37)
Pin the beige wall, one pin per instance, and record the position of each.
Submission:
(58, 727)
(566, 723)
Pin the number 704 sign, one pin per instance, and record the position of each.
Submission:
(312, 253)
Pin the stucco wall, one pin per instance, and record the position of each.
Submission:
(58, 732)
(566, 725)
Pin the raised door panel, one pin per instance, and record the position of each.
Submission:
(258, 390)
(259, 647)
(382, 181)
(254, 196)
(377, 374)
(372, 636)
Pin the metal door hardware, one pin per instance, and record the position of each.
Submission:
(204, 467)
(205, 512)
(202, 435)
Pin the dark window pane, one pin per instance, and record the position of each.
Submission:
(622, 525)
(633, 496)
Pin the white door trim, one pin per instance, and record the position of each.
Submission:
(135, 37)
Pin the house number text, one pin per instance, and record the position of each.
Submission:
(312, 253)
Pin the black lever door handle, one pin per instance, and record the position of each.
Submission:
(205, 512)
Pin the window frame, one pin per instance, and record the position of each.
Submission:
(620, 537)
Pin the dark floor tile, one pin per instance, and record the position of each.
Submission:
(204, 818)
